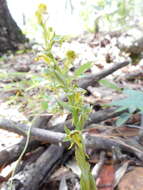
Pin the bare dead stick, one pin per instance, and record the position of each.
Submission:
(11, 154)
(99, 142)
(92, 79)
(31, 176)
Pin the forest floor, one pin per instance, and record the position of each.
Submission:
(17, 103)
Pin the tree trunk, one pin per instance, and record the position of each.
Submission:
(10, 34)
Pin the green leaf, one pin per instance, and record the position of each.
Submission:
(121, 109)
(44, 105)
(64, 105)
(133, 101)
(109, 84)
(83, 68)
(67, 130)
(60, 77)
(123, 118)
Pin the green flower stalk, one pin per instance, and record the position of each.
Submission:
(62, 81)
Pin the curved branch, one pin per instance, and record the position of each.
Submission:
(92, 79)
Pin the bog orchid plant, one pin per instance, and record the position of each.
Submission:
(63, 82)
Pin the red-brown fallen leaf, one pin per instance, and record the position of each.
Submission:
(132, 180)
(2, 179)
(93, 131)
(134, 119)
(125, 131)
(105, 181)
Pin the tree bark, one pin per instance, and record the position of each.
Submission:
(10, 34)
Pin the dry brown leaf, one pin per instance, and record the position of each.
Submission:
(132, 180)
(106, 177)
(120, 173)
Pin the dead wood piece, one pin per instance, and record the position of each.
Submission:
(140, 135)
(100, 142)
(61, 161)
(30, 158)
(23, 180)
(32, 175)
(41, 121)
(132, 76)
(23, 128)
(35, 173)
(37, 133)
(93, 78)
(11, 154)
(50, 136)
(95, 117)
(103, 115)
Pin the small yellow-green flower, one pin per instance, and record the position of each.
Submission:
(42, 8)
(71, 55)
(44, 58)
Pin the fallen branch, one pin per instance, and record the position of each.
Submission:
(36, 133)
(98, 142)
(132, 76)
(32, 175)
(9, 155)
(95, 117)
(93, 78)
(105, 142)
